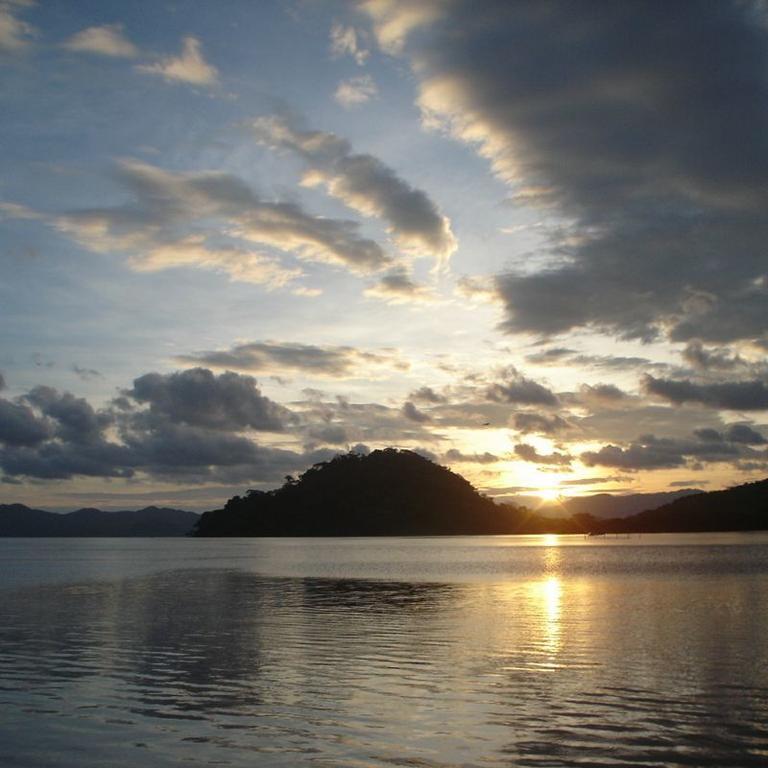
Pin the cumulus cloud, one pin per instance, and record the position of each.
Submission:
(751, 395)
(15, 34)
(308, 359)
(410, 411)
(148, 226)
(105, 40)
(180, 427)
(188, 67)
(537, 423)
(516, 388)
(20, 426)
(624, 121)
(649, 452)
(528, 452)
(365, 184)
(199, 398)
(355, 90)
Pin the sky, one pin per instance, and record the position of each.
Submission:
(527, 240)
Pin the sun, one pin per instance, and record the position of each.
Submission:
(548, 494)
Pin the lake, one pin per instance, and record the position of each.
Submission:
(423, 652)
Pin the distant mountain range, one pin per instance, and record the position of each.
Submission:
(603, 505)
(20, 520)
(395, 492)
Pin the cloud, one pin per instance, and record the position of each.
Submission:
(346, 41)
(749, 395)
(188, 67)
(735, 433)
(240, 264)
(477, 288)
(538, 424)
(743, 433)
(308, 359)
(365, 184)
(551, 356)
(625, 122)
(355, 90)
(518, 389)
(217, 203)
(427, 395)
(105, 40)
(529, 453)
(15, 35)
(703, 359)
(410, 411)
(86, 374)
(651, 452)
(601, 395)
(454, 456)
(76, 420)
(199, 398)
(190, 427)
(19, 426)
(397, 287)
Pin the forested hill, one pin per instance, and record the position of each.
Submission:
(387, 492)
(742, 508)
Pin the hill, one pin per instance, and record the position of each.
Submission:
(604, 505)
(385, 493)
(742, 508)
(20, 520)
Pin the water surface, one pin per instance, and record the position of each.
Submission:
(481, 651)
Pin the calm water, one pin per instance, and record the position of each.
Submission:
(490, 651)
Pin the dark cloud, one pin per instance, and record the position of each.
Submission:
(199, 398)
(601, 394)
(736, 433)
(328, 434)
(743, 433)
(645, 124)
(269, 356)
(516, 388)
(365, 184)
(410, 411)
(702, 358)
(651, 452)
(20, 426)
(3, 385)
(539, 424)
(528, 452)
(76, 420)
(427, 395)
(458, 457)
(736, 395)
(552, 356)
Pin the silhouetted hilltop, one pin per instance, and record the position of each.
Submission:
(742, 508)
(20, 520)
(388, 492)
